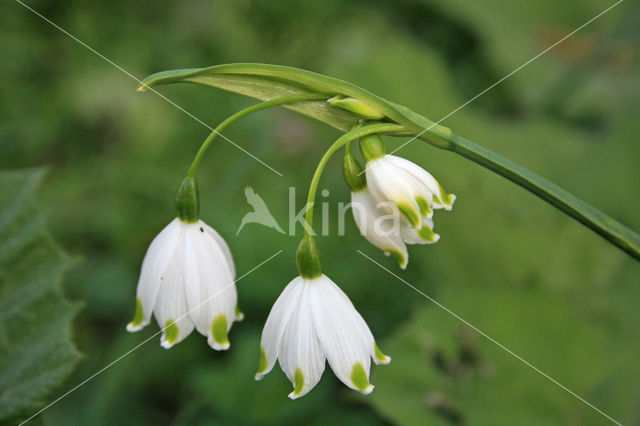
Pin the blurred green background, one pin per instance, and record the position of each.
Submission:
(541, 284)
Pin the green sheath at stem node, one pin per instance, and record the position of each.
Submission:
(188, 201)
(308, 258)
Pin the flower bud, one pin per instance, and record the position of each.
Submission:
(356, 106)
(353, 171)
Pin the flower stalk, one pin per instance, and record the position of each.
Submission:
(353, 134)
(243, 113)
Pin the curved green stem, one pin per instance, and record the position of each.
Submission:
(607, 227)
(610, 229)
(238, 115)
(355, 133)
(265, 81)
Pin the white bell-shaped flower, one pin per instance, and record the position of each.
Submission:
(313, 321)
(393, 201)
(188, 280)
(382, 225)
(407, 186)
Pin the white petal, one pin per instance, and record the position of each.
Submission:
(275, 325)
(418, 172)
(300, 355)
(388, 183)
(209, 287)
(427, 179)
(371, 221)
(222, 244)
(378, 356)
(156, 261)
(171, 309)
(425, 235)
(344, 337)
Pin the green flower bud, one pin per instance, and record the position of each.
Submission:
(353, 172)
(356, 106)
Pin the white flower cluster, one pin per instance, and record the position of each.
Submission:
(188, 277)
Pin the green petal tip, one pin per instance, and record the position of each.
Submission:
(360, 380)
(219, 339)
(170, 334)
(298, 380)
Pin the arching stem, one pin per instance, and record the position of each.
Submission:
(353, 134)
(238, 115)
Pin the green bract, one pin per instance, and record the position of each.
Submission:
(267, 82)
(187, 201)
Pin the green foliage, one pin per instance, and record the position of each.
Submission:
(36, 352)
(451, 373)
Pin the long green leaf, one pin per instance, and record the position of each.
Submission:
(266, 82)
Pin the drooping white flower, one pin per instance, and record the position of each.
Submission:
(393, 199)
(408, 186)
(393, 206)
(313, 321)
(382, 226)
(187, 280)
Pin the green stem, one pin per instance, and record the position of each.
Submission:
(610, 229)
(238, 115)
(353, 134)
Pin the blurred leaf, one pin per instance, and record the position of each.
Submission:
(36, 352)
(228, 389)
(257, 86)
(452, 375)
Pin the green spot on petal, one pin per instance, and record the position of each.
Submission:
(427, 234)
(264, 363)
(239, 314)
(424, 206)
(359, 377)
(398, 255)
(379, 355)
(410, 214)
(219, 330)
(171, 332)
(298, 379)
(447, 199)
(138, 317)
